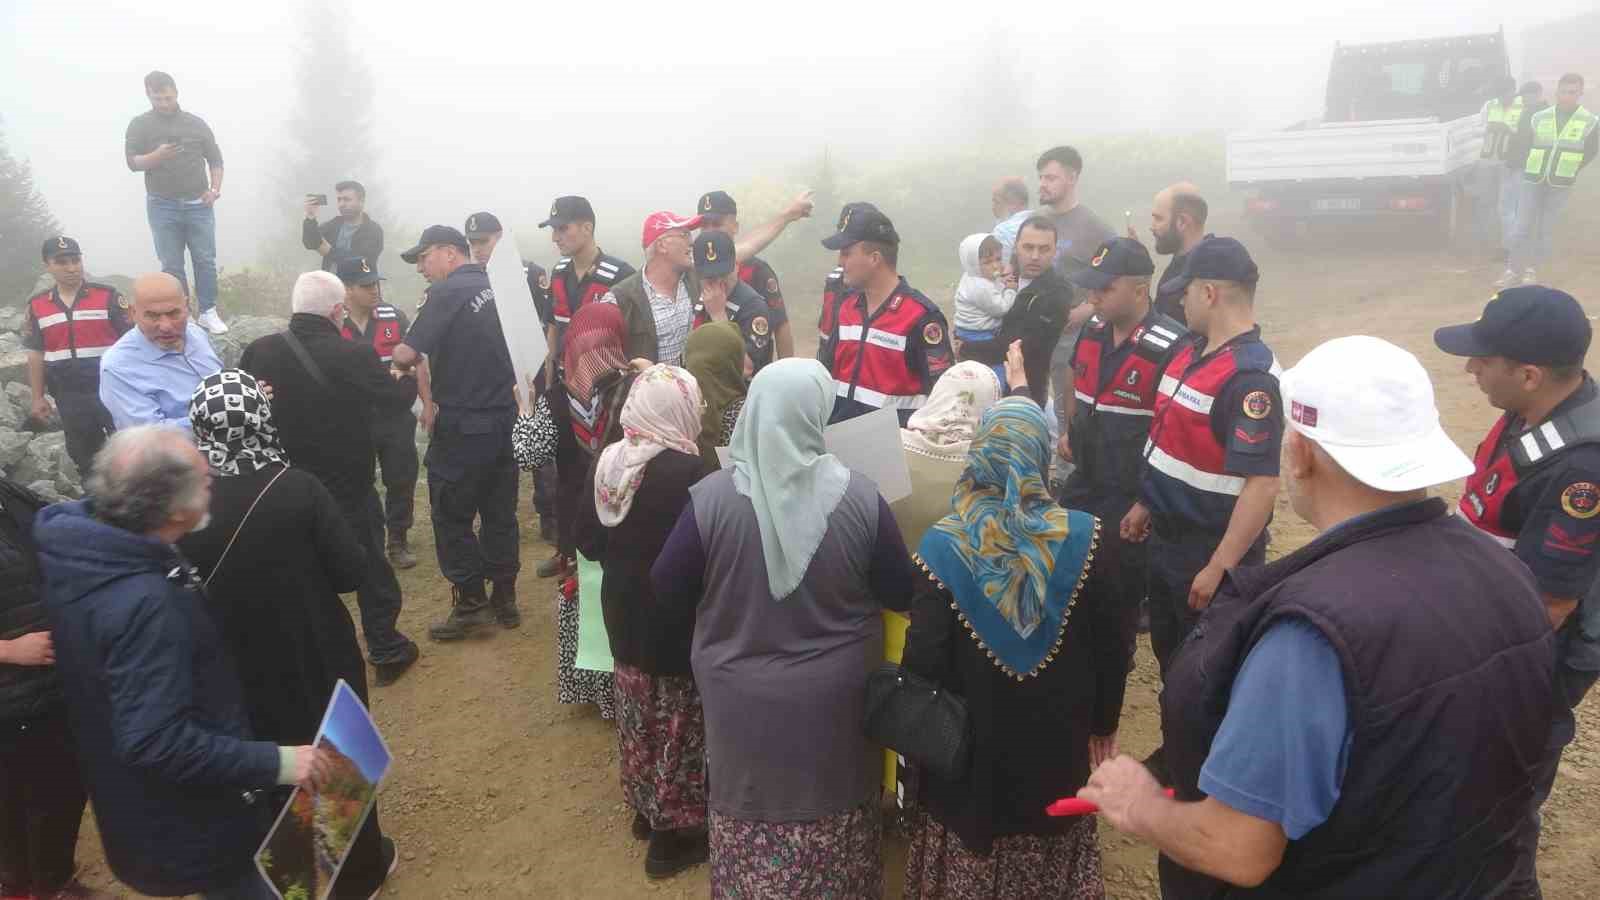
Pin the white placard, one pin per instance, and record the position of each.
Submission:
(519, 318)
(870, 445)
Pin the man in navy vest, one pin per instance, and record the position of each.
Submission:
(1359, 718)
(1536, 487)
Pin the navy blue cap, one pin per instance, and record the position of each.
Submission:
(714, 255)
(849, 208)
(863, 223)
(717, 203)
(434, 235)
(1116, 257)
(60, 245)
(354, 270)
(568, 209)
(482, 224)
(1217, 259)
(1531, 324)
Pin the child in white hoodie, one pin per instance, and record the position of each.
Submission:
(982, 298)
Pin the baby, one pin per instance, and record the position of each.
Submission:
(983, 297)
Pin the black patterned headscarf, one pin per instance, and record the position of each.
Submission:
(233, 424)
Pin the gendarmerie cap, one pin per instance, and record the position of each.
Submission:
(1218, 259)
(1116, 257)
(1531, 324)
(434, 235)
(482, 224)
(717, 203)
(862, 224)
(568, 209)
(714, 255)
(60, 245)
(355, 270)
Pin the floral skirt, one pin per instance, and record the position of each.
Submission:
(577, 685)
(1067, 865)
(661, 741)
(834, 858)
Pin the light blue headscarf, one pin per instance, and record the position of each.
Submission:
(781, 464)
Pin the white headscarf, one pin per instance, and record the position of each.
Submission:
(781, 464)
(662, 412)
(943, 427)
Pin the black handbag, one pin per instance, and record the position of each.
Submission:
(914, 717)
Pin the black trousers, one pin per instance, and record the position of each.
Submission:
(396, 442)
(1175, 559)
(1571, 686)
(379, 596)
(85, 424)
(41, 805)
(472, 475)
(1128, 564)
(571, 469)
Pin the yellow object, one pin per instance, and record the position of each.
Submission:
(894, 645)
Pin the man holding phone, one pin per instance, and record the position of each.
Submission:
(182, 169)
(350, 235)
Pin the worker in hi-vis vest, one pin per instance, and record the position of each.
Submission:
(1497, 185)
(1561, 141)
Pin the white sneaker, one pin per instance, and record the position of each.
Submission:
(1509, 280)
(210, 321)
(1528, 276)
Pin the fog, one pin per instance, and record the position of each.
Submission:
(645, 106)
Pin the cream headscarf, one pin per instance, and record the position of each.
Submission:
(944, 426)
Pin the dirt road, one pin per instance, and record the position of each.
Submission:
(500, 792)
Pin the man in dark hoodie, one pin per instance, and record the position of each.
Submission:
(156, 711)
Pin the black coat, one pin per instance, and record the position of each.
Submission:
(1037, 318)
(327, 431)
(1030, 738)
(642, 636)
(366, 243)
(26, 692)
(276, 597)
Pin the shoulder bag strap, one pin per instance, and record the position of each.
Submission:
(218, 567)
(309, 364)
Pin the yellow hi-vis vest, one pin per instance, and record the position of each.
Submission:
(1556, 156)
(1500, 125)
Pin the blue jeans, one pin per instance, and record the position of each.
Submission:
(1510, 193)
(1539, 207)
(179, 224)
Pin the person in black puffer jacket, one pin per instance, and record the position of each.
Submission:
(41, 792)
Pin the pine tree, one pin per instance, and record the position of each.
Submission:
(25, 223)
(330, 130)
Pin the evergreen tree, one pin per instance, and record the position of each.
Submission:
(25, 223)
(330, 130)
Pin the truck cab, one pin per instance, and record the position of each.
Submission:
(1398, 139)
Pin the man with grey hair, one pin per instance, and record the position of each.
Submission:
(155, 707)
(327, 392)
(149, 374)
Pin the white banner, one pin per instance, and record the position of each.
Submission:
(870, 445)
(519, 318)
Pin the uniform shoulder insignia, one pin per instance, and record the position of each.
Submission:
(122, 300)
(933, 334)
(544, 280)
(759, 326)
(562, 264)
(1581, 500)
(1258, 404)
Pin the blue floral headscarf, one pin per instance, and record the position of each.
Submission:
(1012, 557)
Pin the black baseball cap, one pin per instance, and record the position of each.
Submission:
(434, 235)
(862, 224)
(717, 203)
(849, 208)
(1217, 259)
(354, 270)
(60, 245)
(1532, 324)
(1116, 257)
(714, 255)
(482, 224)
(568, 209)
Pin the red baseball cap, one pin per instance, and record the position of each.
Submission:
(658, 223)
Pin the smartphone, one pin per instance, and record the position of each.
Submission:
(318, 199)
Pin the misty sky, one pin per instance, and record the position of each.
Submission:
(484, 110)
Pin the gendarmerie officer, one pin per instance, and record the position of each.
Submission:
(471, 472)
(1117, 363)
(832, 289)
(723, 297)
(369, 320)
(889, 342)
(1535, 487)
(719, 212)
(1211, 464)
(66, 330)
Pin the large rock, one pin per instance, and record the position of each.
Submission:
(13, 447)
(11, 415)
(44, 459)
(18, 393)
(11, 318)
(241, 333)
(69, 481)
(46, 491)
(10, 342)
(14, 366)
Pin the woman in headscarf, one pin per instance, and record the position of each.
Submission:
(786, 559)
(637, 489)
(936, 441)
(597, 377)
(1011, 615)
(274, 559)
(715, 357)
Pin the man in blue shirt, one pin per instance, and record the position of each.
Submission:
(1325, 699)
(148, 376)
